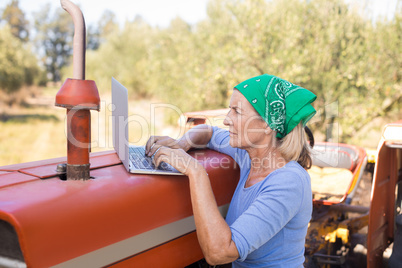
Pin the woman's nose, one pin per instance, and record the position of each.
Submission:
(227, 121)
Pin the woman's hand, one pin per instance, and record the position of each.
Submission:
(155, 142)
(197, 137)
(178, 159)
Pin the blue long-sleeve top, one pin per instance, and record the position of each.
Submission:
(268, 220)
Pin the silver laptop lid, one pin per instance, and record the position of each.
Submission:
(119, 121)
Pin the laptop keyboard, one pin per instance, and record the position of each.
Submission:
(140, 161)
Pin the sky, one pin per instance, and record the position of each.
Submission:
(155, 12)
(161, 12)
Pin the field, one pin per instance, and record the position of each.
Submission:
(36, 131)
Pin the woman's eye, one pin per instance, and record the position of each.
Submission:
(237, 111)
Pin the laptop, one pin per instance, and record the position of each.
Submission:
(132, 157)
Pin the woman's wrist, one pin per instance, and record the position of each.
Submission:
(195, 169)
(183, 143)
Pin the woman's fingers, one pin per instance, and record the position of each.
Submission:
(151, 141)
(177, 158)
(159, 156)
(154, 142)
(153, 149)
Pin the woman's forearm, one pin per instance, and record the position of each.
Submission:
(213, 233)
(197, 137)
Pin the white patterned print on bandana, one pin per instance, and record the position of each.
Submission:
(269, 95)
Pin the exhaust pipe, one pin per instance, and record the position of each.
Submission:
(78, 96)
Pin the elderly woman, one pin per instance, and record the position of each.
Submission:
(270, 210)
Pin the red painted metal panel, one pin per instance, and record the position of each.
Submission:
(180, 252)
(47, 171)
(379, 208)
(382, 207)
(8, 179)
(16, 167)
(59, 220)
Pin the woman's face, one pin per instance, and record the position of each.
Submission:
(246, 127)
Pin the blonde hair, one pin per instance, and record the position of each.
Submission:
(294, 147)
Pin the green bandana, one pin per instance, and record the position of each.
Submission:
(280, 103)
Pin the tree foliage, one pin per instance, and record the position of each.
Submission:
(54, 36)
(15, 18)
(18, 65)
(98, 34)
(351, 62)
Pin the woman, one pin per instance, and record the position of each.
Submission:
(270, 210)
